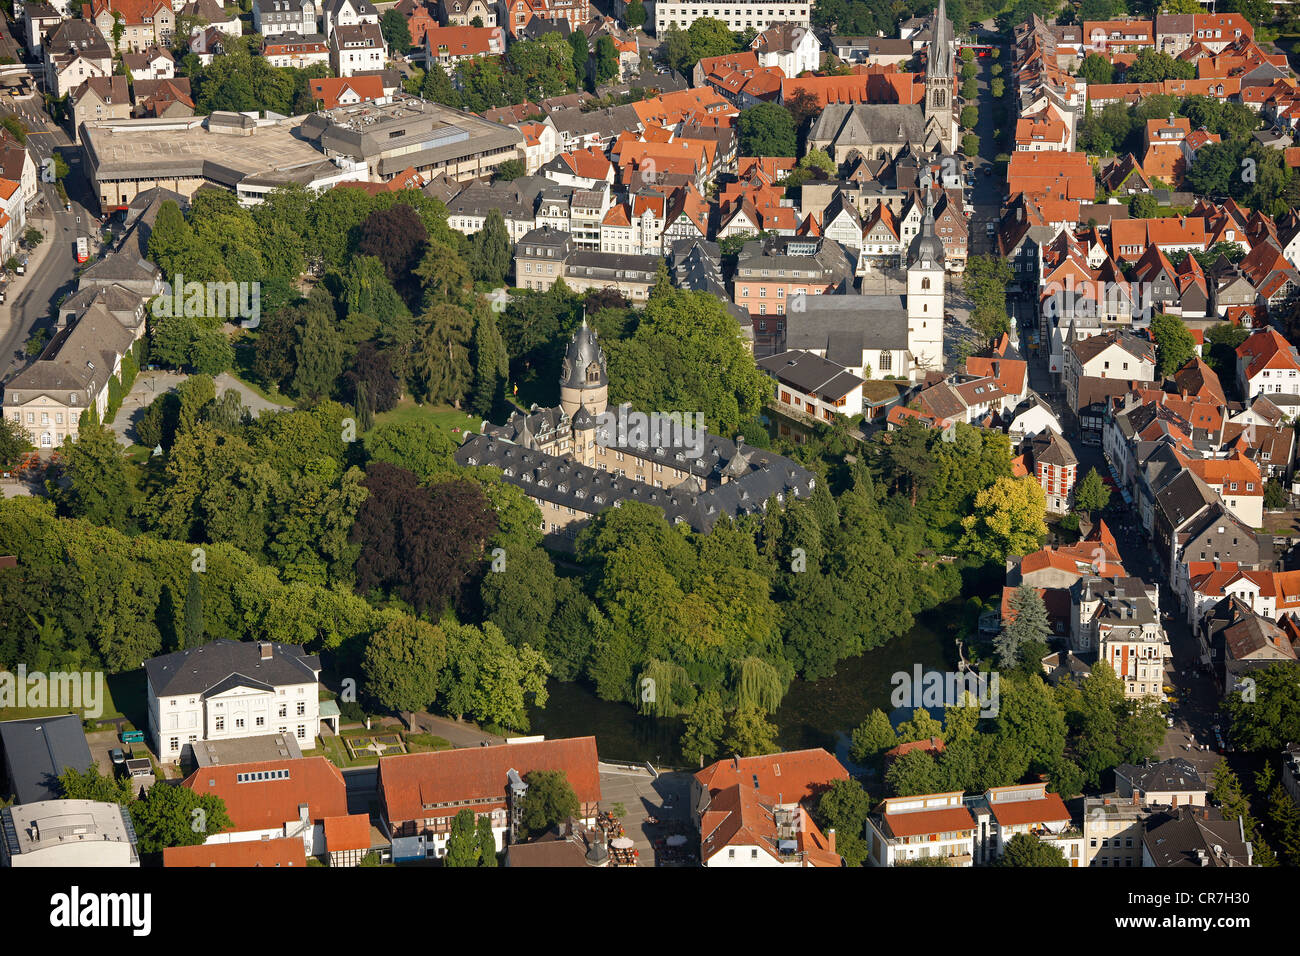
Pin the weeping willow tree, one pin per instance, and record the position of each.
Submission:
(758, 684)
(658, 688)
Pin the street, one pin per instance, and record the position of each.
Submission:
(42, 287)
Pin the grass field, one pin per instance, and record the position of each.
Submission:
(443, 417)
(123, 696)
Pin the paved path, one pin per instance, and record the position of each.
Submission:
(149, 385)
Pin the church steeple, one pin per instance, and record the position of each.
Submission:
(939, 67)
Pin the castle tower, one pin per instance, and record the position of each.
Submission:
(925, 298)
(584, 382)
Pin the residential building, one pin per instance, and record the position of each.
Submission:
(75, 51)
(297, 50)
(272, 18)
(1168, 783)
(1056, 468)
(100, 98)
(1003, 813)
(346, 13)
(1195, 837)
(1268, 364)
(463, 13)
(810, 385)
(144, 23)
(906, 829)
(228, 689)
(357, 47)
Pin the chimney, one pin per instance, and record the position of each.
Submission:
(265, 647)
(1135, 796)
(304, 813)
(1174, 802)
(830, 839)
(735, 761)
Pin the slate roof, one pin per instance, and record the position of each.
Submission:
(844, 325)
(36, 751)
(203, 670)
(591, 490)
(811, 374)
(1195, 836)
(1174, 774)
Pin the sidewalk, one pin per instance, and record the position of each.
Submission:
(18, 284)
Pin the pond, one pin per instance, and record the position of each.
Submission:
(814, 713)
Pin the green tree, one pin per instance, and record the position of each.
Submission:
(509, 171)
(1265, 715)
(767, 130)
(1175, 346)
(318, 357)
(402, 664)
(96, 484)
(13, 443)
(705, 726)
(1007, 519)
(635, 14)
(1096, 68)
(1026, 849)
(169, 815)
(487, 843)
(985, 280)
(395, 31)
(462, 841)
(1091, 495)
(90, 784)
(549, 800)
(844, 807)
(194, 627)
(1029, 626)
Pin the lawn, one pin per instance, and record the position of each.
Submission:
(442, 417)
(124, 696)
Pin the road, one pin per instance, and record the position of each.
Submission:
(31, 306)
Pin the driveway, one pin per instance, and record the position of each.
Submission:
(149, 385)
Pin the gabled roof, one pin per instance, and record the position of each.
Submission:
(282, 851)
(274, 800)
(793, 775)
(410, 785)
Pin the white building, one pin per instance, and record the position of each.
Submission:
(1003, 813)
(812, 385)
(791, 46)
(738, 16)
(916, 828)
(67, 833)
(357, 48)
(230, 689)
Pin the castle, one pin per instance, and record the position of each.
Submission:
(575, 460)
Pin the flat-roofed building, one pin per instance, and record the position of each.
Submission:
(249, 157)
(55, 833)
(409, 132)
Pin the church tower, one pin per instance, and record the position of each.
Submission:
(939, 77)
(584, 382)
(925, 298)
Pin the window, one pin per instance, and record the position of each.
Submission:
(302, 709)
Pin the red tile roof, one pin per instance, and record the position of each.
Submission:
(795, 775)
(410, 782)
(347, 833)
(268, 804)
(285, 851)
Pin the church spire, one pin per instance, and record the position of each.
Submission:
(940, 58)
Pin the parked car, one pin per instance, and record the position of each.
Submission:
(118, 757)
